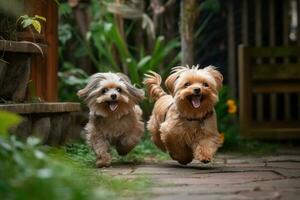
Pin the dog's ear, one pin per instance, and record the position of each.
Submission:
(216, 74)
(123, 77)
(92, 84)
(170, 81)
(135, 94)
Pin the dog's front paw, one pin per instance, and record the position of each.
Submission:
(203, 155)
(104, 161)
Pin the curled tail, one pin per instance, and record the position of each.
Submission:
(152, 82)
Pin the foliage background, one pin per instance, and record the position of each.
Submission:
(97, 41)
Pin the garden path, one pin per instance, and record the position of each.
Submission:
(230, 176)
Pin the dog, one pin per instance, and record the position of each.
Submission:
(184, 122)
(115, 119)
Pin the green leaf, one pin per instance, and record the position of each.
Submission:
(40, 17)
(37, 25)
(26, 22)
(144, 61)
(7, 120)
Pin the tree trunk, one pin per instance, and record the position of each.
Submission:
(188, 15)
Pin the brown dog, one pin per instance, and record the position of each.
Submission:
(184, 122)
(115, 117)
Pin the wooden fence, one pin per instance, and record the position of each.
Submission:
(267, 28)
(258, 23)
(269, 90)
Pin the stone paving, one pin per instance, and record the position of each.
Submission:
(230, 176)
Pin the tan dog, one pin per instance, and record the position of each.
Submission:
(114, 118)
(184, 123)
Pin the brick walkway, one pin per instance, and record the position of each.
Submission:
(228, 177)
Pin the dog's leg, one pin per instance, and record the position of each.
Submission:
(100, 147)
(205, 148)
(177, 148)
(153, 127)
(129, 140)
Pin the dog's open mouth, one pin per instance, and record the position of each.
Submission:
(195, 100)
(113, 105)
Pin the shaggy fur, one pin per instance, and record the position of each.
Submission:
(184, 122)
(114, 118)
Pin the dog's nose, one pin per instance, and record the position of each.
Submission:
(113, 96)
(197, 91)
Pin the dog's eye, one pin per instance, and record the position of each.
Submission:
(205, 84)
(104, 90)
(187, 85)
(119, 89)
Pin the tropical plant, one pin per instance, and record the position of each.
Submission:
(109, 50)
(27, 21)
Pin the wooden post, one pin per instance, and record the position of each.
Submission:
(244, 91)
(298, 15)
(231, 49)
(245, 26)
(258, 42)
(286, 31)
(298, 43)
(273, 96)
(52, 53)
(188, 16)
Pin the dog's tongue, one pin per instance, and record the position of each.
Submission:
(113, 106)
(196, 101)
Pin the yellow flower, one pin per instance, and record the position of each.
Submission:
(232, 108)
(222, 137)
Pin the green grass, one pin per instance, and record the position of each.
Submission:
(145, 150)
(80, 158)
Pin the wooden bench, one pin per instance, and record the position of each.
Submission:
(52, 123)
(269, 92)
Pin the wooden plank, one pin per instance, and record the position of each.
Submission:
(52, 54)
(258, 42)
(258, 19)
(286, 22)
(231, 49)
(272, 33)
(286, 31)
(274, 134)
(36, 65)
(287, 106)
(298, 31)
(259, 107)
(245, 97)
(283, 51)
(23, 47)
(298, 42)
(27, 108)
(279, 87)
(276, 72)
(245, 23)
(275, 124)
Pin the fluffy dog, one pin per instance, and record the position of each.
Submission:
(114, 118)
(184, 122)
